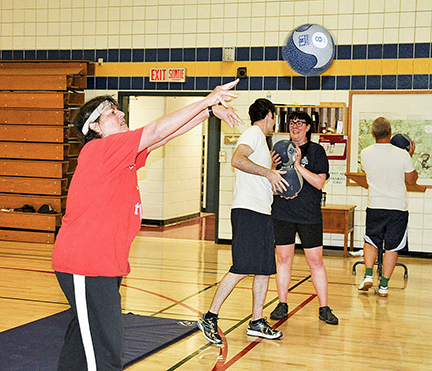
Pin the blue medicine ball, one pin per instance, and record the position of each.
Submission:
(295, 180)
(402, 141)
(286, 150)
(309, 50)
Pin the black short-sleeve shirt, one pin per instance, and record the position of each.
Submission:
(306, 207)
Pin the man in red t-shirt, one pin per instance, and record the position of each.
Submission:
(103, 216)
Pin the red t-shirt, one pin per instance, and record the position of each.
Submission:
(103, 211)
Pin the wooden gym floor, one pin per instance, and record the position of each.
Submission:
(176, 278)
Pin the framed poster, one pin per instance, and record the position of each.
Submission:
(410, 112)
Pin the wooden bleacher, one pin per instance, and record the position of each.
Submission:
(38, 146)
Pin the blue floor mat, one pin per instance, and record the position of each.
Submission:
(36, 346)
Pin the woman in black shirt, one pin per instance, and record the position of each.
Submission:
(302, 214)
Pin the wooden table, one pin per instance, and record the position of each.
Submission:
(339, 219)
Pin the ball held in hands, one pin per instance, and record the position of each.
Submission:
(286, 149)
(402, 141)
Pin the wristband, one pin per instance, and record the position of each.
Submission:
(210, 111)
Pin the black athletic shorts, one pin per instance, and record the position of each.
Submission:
(387, 228)
(311, 235)
(253, 249)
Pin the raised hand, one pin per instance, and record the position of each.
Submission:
(222, 94)
(228, 115)
(297, 157)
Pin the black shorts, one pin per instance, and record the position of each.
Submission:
(311, 235)
(253, 249)
(387, 229)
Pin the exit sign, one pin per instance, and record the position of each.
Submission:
(168, 74)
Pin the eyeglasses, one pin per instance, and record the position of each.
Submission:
(297, 123)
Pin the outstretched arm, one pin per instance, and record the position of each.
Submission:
(164, 127)
(226, 114)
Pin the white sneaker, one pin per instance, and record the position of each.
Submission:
(366, 284)
(381, 291)
(356, 253)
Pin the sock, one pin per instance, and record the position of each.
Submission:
(369, 272)
(256, 321)
(209, 315)
(384, 281)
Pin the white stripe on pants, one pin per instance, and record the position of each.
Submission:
(81, 305)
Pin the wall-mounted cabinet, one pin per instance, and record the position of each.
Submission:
(327, 118)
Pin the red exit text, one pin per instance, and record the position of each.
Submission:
(168, 74)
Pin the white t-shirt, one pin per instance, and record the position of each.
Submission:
(385, 166)
(254, 192)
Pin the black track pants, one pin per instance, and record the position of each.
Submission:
(94, 337)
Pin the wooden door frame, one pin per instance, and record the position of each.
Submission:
(213, 148)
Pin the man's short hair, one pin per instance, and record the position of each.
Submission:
(381, 128)
(259, 109)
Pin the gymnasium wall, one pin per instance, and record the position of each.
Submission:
(170, 183)
(381, 45)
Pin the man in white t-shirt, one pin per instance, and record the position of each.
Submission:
(387, 169)
(253, 249)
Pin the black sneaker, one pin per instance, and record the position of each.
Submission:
(209, 329)
(281, 311)
(262, 329)
(325, 314)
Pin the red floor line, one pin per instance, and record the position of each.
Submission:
(27, 270)
(135, 288)
(223, 349)
(169, 281)
(165, 297)
(296, 309)
(150, 279)
(128, 278)
(203, 284)
(189, 283)
(221, 365)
